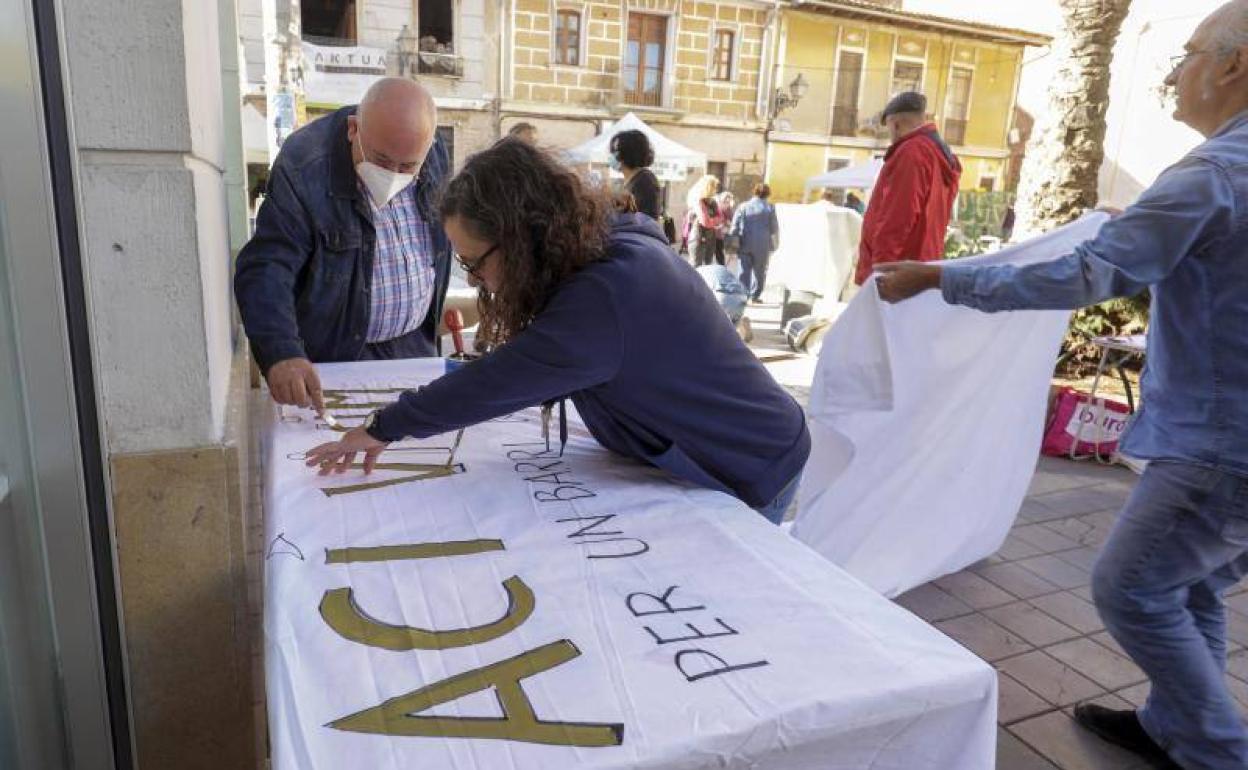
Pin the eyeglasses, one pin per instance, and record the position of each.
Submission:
(471, 268)
(1178, 61)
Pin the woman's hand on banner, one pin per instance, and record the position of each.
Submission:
(337, 456)
(897, 281)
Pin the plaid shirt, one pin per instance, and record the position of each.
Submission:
(403, 273)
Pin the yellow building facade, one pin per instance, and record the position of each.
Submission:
(855, 56)
(695, 71)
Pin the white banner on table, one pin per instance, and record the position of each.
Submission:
(926, 421)
(517, 609)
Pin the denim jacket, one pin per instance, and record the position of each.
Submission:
(303, 280)
(1187, 238)
(756, 225)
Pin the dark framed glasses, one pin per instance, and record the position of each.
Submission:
(472, 267)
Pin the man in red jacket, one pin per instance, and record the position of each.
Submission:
(913, 198)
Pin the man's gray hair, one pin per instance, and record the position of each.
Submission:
(1232, 32)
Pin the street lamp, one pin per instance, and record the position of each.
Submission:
(783, 100)
(405, 51)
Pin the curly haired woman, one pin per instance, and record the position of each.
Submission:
(582, 302)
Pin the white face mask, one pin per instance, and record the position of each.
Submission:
(383, 184)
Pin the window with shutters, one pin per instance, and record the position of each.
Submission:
(848, 82)
(907, 76)
(721, 55)
(644, 57)
(568, 37)
(958, 105)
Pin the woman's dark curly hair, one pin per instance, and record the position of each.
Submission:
(548, 223)
(632, 148)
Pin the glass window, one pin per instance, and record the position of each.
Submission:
(721, 61)
(568, 38)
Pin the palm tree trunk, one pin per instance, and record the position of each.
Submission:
(1060, 171)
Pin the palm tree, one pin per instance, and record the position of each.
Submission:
(1060, 171)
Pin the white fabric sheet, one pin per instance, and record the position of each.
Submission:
(818, 246)
(850, 680)
(926, 420)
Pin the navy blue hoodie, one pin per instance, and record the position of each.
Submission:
(653, 365)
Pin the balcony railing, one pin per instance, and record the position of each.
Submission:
(844, 121)
(644, 98)
(955, 131)
(445, 64)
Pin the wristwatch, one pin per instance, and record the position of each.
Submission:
(370, 426)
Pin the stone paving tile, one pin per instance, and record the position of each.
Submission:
(1136, 695)
(1058, 572)
(1031, 624)
(1058, 738)
(1237, 602)
(1044, 538)
(1071, 610)
(1050, 678)
(1033, 511)
(1013, 754)
(1237, 665)
(1013, 549)
(1105, 640)
(1074, 502)
(1018, 581)
(932, 604)
(983, 637)
(1237, 628)
(1015, 702)
(1083, 558)
(1056, 473)
(1109, 700)
(1081, 532)
(1100, 664)
(1085, 593)
(973, 590)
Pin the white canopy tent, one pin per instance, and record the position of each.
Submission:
(672, 160)
(860, 176)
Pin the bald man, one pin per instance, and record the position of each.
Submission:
(349, 261)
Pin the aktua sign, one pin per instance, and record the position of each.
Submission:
(340, 74)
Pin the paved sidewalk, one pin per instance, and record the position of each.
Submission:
(1027, 609)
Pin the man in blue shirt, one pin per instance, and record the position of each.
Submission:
(755, 225)
(1182, 539)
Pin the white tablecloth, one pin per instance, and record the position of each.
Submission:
(666, 626)
(926, 421)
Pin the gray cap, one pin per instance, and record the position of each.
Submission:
(906, 101)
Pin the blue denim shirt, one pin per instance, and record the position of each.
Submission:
(1187, 238)
(755, 223)
(303, 281)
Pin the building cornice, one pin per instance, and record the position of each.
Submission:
(859, 9)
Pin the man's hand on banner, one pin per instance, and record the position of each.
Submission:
(896, 281)
(337, 456)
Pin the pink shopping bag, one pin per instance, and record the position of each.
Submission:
(1089, 428)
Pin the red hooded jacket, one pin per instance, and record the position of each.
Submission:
(911, 203)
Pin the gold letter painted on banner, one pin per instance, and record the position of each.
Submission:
(400, 716)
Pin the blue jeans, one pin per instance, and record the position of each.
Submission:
(774, 511)
(753, 272)
(1179, 543)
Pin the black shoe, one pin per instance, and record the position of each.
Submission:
(1122, 728)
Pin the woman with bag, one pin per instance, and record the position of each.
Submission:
(707, 220)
